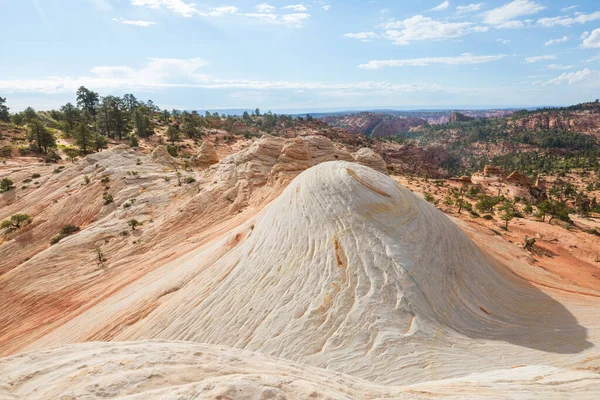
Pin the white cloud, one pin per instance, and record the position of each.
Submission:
(506, 16)
(556, 41)
(571, 78)
(531, 60)
(296, 7)
(503, 41)
(568, 21)
(443, 6)
(592, 41)
(568, 8)
(559, 67)
(364, 36)
(463, 59)
(420, 28)
(585, 34)
(183, 73)
(265, 12)
(469, 8)
(177, 6)
(136, 23)
(592, 59)
(265, 8)
(326, 7)
(220, 11)
(295, 20)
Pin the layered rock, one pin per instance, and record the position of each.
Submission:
(517, 178)
(492, 170)
(207, 156)
(368, 157)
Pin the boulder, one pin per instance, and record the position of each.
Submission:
(207, 156)
(368, 157)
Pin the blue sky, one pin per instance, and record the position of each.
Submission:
(302, 56)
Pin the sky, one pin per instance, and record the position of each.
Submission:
(288, 56)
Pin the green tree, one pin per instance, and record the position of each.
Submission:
(508, 212)
(173, 134)
(70, 115)
(29, 114)
(99, 141)
(40, 135)
(257, 112)
(71, 153)
(88, 100)
(83, 132)
(191, 124)
(4, 110)
(17, 119)
(131, 103)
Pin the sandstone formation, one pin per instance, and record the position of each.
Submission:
(161, 155)
(206, 156)
(518, 178)
(285, 269)
(492, 170)
(368, 157)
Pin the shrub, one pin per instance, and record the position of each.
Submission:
(133, 223)
(15, 222)
(107, 198)
(6, 185)
(488, 217)
(428, 197)
(35, 176)
(69, 229)
(172, 150)
(189, 180)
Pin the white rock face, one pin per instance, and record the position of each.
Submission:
(347, 271)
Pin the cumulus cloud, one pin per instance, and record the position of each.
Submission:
(443, 6)
(571, 78)
(136, 23)
(265, 8)
(296, 7)
(568, 21)
(592, 41)
(506, 16)
(531, 60)
(364, 36)
(469, 8)
(556, 41)
(463, 59)
(177, 6)
(420, 28)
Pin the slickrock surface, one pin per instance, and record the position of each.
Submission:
(280, 272)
